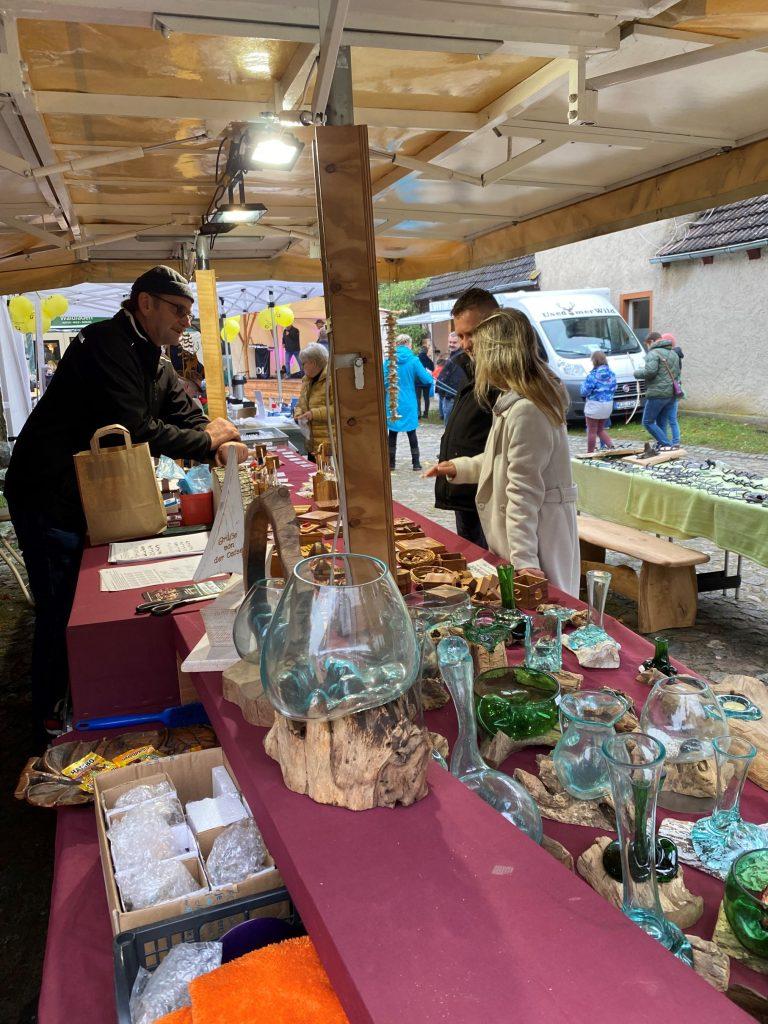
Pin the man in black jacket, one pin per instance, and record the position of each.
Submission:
(469, 424)
(113, 372)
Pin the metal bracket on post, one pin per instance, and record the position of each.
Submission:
(356, 362)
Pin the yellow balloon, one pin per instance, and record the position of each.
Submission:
(284, 315)
(231, 327)
(27, 325)
(20, 308)
(264, 319)
(55, 305)
(46, 324)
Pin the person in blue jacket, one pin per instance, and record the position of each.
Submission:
(598, 389)
(410, 373)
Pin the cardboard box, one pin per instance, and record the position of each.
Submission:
(190, 774)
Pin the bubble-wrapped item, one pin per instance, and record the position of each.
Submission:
(237, 852)
(165, 989)
(155, 882)
(142, 792)
(144, 833)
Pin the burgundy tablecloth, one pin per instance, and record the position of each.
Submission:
(439, 912)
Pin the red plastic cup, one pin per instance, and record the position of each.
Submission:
(197, 509)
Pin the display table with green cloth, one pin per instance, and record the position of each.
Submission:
(674, 510)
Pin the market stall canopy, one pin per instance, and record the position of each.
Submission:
(496, 129)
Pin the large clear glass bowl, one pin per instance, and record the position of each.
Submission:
(683, 714)
(340, 640)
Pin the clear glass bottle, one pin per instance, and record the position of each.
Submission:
(340, 641)
(720, 838)
(505, 795)
(634, 767)
(587, 717)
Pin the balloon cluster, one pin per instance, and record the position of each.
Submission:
(283, 317)
(22, 312)
(231, 328)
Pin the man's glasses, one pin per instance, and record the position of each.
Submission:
(181, 311)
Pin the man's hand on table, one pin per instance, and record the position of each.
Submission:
(223, 450)
(220, 431)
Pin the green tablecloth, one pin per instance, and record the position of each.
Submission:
(673, 510)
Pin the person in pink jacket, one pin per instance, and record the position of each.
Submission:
(526, 498)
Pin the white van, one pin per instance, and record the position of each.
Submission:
(571, 325)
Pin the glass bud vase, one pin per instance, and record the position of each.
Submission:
(505, 795)
(587, 717)
(254, 616)
(719, 839)
(635, 763)
(340, 640)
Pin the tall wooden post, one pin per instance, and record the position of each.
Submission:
(345, 216)
(208, 309)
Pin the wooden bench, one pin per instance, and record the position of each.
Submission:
(664, 589)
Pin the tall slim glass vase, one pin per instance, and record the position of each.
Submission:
(634, 765)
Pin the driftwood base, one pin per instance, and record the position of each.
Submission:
(727, 942)
(376, 758)
(755, 732)
(558, 805)
(496, 749)
(242, 686)
(710, 962)
(679, 905)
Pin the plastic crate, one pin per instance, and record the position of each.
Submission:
(147, 946)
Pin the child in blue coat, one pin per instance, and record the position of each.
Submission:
(598, 389)
(410, 372)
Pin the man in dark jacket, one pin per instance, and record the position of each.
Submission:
(113, 372)
(423, 391)
(291, 349)
(452, 377)
(469, 424)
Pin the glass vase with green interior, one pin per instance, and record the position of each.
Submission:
(635, 763)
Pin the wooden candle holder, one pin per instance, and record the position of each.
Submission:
(530, 591)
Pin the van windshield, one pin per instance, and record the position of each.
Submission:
(577, 337)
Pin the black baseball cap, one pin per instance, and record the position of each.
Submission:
(164, 280)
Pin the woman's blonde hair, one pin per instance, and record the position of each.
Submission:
(506, 353)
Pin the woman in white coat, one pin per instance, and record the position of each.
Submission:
(526, 498)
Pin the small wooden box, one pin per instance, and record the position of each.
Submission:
(453, 560)
(530, 591)
(420, 542)
(403, 581)
(324, 488)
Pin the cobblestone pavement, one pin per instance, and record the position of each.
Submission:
(729, 636)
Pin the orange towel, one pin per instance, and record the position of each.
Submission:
(279, 984)
(182, 1016)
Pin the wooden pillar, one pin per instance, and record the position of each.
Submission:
(208, 308)
(345, 215)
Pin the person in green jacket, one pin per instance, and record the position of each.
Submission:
(661, 370)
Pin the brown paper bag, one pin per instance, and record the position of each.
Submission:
(118, 489)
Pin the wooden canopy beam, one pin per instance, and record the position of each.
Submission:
(345, 218)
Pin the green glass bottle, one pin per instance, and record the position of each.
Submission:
(509, 614)
(660, 660)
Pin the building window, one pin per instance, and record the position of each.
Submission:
(637, 310)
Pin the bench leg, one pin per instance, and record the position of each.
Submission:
(667, 598)
(591, 552)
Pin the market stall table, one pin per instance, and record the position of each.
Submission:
(646, 501)
(436, 912)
